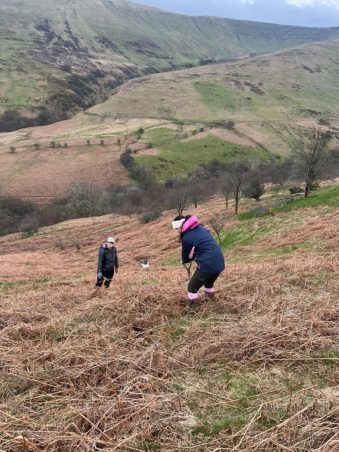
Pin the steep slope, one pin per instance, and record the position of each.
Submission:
(70, 54)
(130, 370)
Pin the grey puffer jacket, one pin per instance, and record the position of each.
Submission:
(108, 259)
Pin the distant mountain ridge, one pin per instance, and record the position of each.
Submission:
(71, 54)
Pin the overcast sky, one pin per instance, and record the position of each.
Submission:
(307, 13)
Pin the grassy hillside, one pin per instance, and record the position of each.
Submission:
(268, 98)
(128, 369)
(253, 109)
(71, 54)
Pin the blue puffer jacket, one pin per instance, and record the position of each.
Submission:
(207, 252)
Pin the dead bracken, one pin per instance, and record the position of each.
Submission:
(129, 370)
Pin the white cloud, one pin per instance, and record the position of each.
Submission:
(247, 1)
(301, 3)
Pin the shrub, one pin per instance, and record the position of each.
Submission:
(36, 145)
(255, 190)
(77, 244)
(52, 144)
(60, 244)
(12, 149)
(150, 216)
(294, 190)
(29, 225)
(88, 142)
(102, 142)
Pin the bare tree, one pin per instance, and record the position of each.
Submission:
(281, 173)
(178, 198)
(196, 193)
(225, 186)
(238, 174)
(217, 222)
(311, 157)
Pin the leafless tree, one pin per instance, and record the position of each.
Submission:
(281, 173)
(238, 175)
(178, 198)
(311, 157)
(225, 186)
(196, 192)
(217, 222)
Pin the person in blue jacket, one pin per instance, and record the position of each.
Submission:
(107, 263)
(199, 245)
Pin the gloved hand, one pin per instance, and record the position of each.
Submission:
(99, 275)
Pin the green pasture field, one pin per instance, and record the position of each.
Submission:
(178, 158)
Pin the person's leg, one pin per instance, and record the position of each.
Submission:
(99, 281)
(109, 277)
(196, 282)
(209, 285)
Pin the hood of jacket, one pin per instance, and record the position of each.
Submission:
(191, 223)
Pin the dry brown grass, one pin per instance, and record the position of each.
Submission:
(43, 174)
(128, 369)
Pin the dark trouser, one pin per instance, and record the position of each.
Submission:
(107, 276)
(200, 279)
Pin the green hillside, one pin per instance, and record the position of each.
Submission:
(71, 54)
(267, 100)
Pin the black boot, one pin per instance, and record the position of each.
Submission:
(209, 295)
(192, 305)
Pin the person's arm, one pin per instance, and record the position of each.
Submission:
(116, 261)
(101, 259)
(186, 250)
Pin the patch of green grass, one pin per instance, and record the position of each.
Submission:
(172, 261)
(229, 422)
(322, 196)
(216, 97)
(178, 158)
(149, 446)
(160, 136)
(290, 249)
(5, 285)
(42, 280)
(61, 331)
(178, 387)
